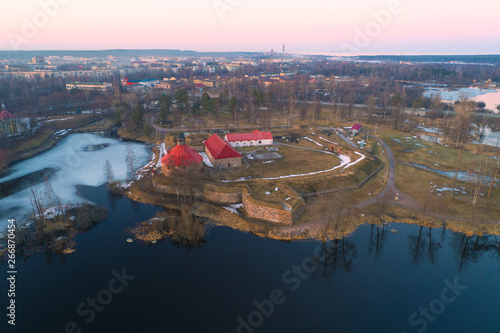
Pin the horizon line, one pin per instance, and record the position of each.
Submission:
(319, 53)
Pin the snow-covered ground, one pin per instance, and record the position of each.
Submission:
(206, 160)
(491, 97)
(75, 167)
(433, 130)
(163, 152)
(491, 100)
(51, 120)
(315, 142)
(490, 138)
(322, 138)
(454, 95)
(233, 208)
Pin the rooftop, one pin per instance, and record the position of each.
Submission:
(181, 155)
(220, 149)
(255, 135)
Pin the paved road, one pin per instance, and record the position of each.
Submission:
(349, 142)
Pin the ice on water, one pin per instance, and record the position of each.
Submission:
(74, 167)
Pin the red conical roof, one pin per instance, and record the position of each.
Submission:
(181, 155)
(5, 115)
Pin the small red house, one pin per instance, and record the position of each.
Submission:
(355, 129)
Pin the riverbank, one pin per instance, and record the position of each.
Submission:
(369, 204)
(43, 141)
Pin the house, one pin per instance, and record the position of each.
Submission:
(5, 115)
(256, 138)
(221, 153)
(11, 126)
(104, 87)
(355, 129)
(181, 158)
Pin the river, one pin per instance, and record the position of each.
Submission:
(372, 281)
(415, 279)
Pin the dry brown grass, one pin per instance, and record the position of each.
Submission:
(35, 141)
(411, 150)
(419, 183)
(294, 161)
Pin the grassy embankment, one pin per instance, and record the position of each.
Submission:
(426, 187)
(44, 135)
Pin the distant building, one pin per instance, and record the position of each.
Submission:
(208, 83)
(256, 138)
(221, 153)
(163, 85)
(10, 125)
(355, 129)
(32, 75)
(104, 87)
(38, 60)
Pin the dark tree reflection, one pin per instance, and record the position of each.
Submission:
(377, 239)
(338, 254)
(421, 245)
(433, 248)
(469, 249)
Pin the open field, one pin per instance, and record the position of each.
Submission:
(350, 177)
(410, 150)
(71, 121)
(436, 191)
(294, 161)
(36, 140)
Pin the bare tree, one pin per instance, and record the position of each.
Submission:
(292, 103)
(108, 171)
(186, 181)
(130, 161)
(38, 206)
(457, 166)
(4, 159)
(479, 178)
(463, 120)
(317, 110)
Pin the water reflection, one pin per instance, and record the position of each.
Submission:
(377, 239)
(338, 254)
(423, 245)
(469, 249)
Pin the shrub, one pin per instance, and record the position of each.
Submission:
(86, 216)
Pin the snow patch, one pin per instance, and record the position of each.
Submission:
(206, 160)
(322, 138)
(315, 142)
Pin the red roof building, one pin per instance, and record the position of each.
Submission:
(6, 115)
(221, 153)
(356, 127)
(180, 157)
(256, 138)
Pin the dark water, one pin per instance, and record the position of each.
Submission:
(371, 282)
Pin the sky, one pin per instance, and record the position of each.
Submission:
(304, 26)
